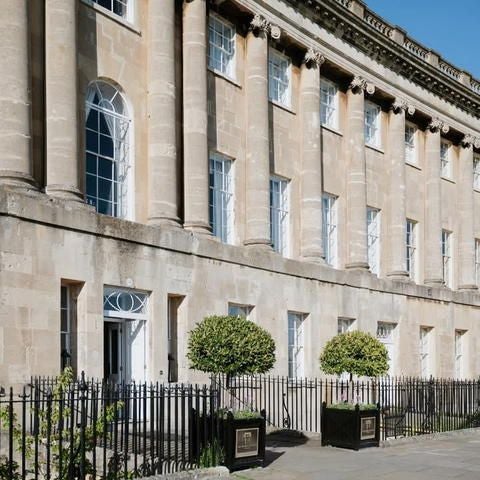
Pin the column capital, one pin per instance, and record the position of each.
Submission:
(313, 58)
(400, 105)
(360, 85)
(436, 125)
(260, 25)
(469, 141)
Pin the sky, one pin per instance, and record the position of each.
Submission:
(449, 27)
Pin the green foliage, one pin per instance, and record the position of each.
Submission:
(238, 414)
(357, 353)
(230, 345)
(351, 406)
(212, 455)
(50, 413)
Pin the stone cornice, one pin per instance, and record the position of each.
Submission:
(353, 22)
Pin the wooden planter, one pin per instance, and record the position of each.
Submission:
(353, 429)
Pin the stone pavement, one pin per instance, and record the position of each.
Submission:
(448, 456)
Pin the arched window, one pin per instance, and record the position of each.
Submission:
(107, 149)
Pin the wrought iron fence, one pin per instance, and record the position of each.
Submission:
(90, 428)
(409, 406)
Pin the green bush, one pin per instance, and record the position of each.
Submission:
(230, 345)
(357, 353)
(351, 406)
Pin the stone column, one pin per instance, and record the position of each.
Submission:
(15, 112)
(357, 254)
(162, 151)
(311, 175)
(62, 169)
(465, 212)
(433, 204)
(195, 116)
(397, 268)
(257, 231)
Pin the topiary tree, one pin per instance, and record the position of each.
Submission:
(230, 345)
(357, 353)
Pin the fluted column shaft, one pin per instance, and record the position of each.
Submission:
(357, 254)
(311, 174)
(397, 267)
(433, 214)
(162, 151)
(257, 231)
(466, 233)
(195, 116)
(15, 108)
(61, 99)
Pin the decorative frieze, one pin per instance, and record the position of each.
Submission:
(313, 58)
(260, 25)
(360, 85)
(437, 125)
(401, 105)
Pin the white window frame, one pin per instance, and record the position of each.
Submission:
(374, 239)
(129, 14)
(279, 85)
(447, 250)
(373, 127)
(446, 159)
(386, 335)
(296, 344)
(330, 229)
(411, 243)
(240, 310)
(221, 197)
(476, 172)
(279, 214)
(329, 113)
(411, 143)
(459, 354)
(224, 33)
(345, 324)
(425, 350)
(477, 260)
(112, 104)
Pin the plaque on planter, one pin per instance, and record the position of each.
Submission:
(246, 442)
(367, 428)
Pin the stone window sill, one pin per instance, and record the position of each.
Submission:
(332, 129)
(375, 148)
(413, 165)
(222, 75)
(112, 16)
(477, 190)
(282, 106)
(449, 180)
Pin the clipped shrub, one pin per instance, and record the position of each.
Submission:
(230, 345)
(357, 353)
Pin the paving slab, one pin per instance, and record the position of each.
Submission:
(438, 458)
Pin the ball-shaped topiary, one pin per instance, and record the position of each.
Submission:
(357, 353)
(230, 345)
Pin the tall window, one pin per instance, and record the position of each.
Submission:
(425, 351)
(447, 257)
(476, 172)
(295, 344)
(459, 354)
(477, 260)
(122, 8)
(107, 150)
(345, 325)
(329, 103)
(65, 328)
(386, 335)
(279, 215)
(221, 198)
(411, 243)
(445, 162)
(372, 124)
(373, 239)
(237, 310)
(329, 203)
(410, 143)
(221, 46)
(279, 74)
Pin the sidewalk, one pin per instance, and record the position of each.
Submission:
(449, 456)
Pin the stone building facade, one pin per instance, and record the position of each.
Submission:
(303, 163)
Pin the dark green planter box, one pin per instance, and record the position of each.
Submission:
(352, 429)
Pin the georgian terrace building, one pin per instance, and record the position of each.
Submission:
(302, 163)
